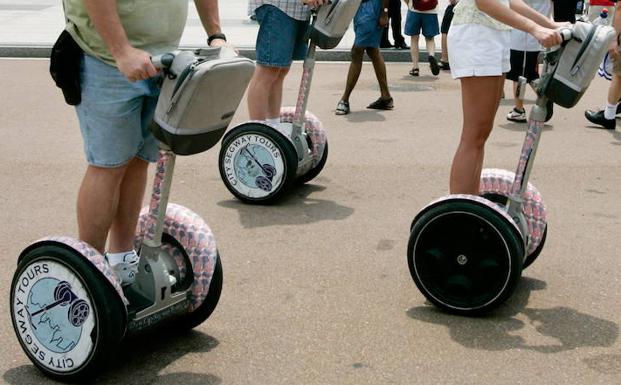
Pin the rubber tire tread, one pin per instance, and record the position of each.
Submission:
(286, 148)
(110, 325)
(512, 238)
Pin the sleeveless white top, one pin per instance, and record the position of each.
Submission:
(467, 12)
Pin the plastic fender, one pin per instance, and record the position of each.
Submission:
(474, 198)
(89, 253)
(313, 128)
(193, 233)
(499, 181)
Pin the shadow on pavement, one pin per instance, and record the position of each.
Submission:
(298, 209)
(139, 361)
(563, 327)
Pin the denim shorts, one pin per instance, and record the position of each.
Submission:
(115, 114)
(281, 38)
(366, 24)
(417, 21)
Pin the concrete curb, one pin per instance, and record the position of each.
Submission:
(390, 55)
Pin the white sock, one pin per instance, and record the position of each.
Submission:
(611, 111)
(116, 258)
(273, 121)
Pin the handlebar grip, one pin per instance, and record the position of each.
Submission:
(163, 60)
(566, 34)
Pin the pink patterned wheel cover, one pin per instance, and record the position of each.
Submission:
(497, 181)
(193, 233)
(313, 128)
(91, 255)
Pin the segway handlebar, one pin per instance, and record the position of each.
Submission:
(163, 61)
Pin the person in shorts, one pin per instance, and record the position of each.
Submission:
(524, 59)
(479, 56)
(606, 117)
(422, 18)
(119, 91)
(280, 40)
(369, 21)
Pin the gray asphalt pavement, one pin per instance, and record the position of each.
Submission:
(316, 288)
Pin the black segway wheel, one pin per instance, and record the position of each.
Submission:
(200, 314)
(257, 163)
(530, 258)
(67, 343)
(465, 257)
(313, 172)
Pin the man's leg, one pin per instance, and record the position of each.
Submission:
(355, 67)
(394, 12)
(98, 200)
(414, 51)
(431, 50)
(265, 92)
(380, 71)
(131, 194)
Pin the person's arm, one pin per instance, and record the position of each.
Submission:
(134, 64)
(383, 20)
(210, 18)
(546, 37)
(525, 10)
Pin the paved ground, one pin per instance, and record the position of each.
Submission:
(316, 288)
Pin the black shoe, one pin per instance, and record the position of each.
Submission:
(401, 45)
(549, 110)
(385, 45)
(433, 63)
(597, 117)
(445, 65)
(618, 108)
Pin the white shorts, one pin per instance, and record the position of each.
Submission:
(478, 50)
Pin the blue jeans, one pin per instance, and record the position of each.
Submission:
(115, 115)
(281, 38)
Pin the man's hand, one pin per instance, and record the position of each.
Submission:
(218, 43)
(135, 64)
(383, 20)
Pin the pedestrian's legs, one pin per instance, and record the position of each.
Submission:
(414, 50)
(98, 202)
(444, 56)
(394, 12)
(480, 99)
(519, 103)
(380, 71)
(355, 67)
(431, 46)
(265, 92)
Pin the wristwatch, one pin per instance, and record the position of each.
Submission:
(385, 10)
(215, 36)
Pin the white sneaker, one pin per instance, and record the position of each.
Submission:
(517, 116)
(125, 266)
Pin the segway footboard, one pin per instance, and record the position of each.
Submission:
(465, 254)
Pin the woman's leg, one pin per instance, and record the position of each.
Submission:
(480, 100)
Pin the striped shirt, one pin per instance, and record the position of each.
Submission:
(293, 8)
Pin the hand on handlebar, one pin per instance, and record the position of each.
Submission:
(135, 64)
(547, 37)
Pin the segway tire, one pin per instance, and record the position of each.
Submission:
(200, 315)
(278, 186)
(530, 258)
(98, 299)
(313, 172)
(465, 257)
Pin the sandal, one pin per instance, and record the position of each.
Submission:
(414, 72)
(342, 108)
(382, 104)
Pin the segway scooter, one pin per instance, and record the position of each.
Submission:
(259, 162)
(466, 253)
(68, 309)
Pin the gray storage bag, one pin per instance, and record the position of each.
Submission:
(200, 94)
(577, 64)
(332, 21)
